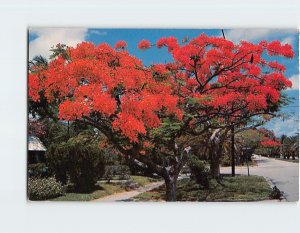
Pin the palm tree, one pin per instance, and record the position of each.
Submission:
(290, 146)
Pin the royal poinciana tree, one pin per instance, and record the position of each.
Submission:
(146, 111)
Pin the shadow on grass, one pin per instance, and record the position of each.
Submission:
(233, 189)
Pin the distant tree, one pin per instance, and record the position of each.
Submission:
(36, 128)
(290, 146)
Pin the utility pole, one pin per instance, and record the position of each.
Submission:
(247, 164)
(68, 129)
(232, 151)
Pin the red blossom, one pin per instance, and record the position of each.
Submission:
(276, 66)
(34, 85)
(275, 48)
(208, 78)
(121, 44)
(144, 44)
(171, 43)
(270, 143)
(129, 126)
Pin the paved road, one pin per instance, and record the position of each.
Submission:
(285, 175)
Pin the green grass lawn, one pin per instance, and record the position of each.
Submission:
(239, 188)
(142, 180)
(103, 189)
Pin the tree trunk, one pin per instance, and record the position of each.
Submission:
(215, 156)
(232, 152)
(171, 188)
(215, 166)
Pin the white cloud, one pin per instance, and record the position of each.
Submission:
(288, 40)
(236, 35)
(97, 32)
(288, 127)
(47, 37)
(295, 81)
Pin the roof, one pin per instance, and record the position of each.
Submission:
(35, 144)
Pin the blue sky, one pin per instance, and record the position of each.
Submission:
(41, 40)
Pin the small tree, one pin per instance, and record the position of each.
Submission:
(270, 144)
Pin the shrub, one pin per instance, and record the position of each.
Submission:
(37, 170)
(44, 188)
(122, 171)
(186, 170)
(199, 171)
(57, 159)
(80, 159)
(276, 193)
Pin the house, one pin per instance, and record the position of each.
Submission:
(36, 150)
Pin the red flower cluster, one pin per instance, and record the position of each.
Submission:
(275, 48)
(144, 44)
(270, 143)
(171, 43)
(121, 44)
(276, 66)
(72, 110)
(34, 87)
(210, 77)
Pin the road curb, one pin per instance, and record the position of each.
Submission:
(272, 184)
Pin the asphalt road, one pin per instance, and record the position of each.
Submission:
(285, 175)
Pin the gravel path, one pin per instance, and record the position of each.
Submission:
(123, 196)
(285, 175)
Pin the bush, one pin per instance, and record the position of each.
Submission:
(122, 171)
(80, 159)
(38, 170)
(276, 193)
(186, 170)
(43, 188)
(199, 171)
(57, 159)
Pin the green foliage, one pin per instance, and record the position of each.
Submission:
(276, 193)
(37, 170)
(38, 61)
(290, 146)
(43, 188)
(199, 171)
(167, 129)
(122, 171)
(80, 159)
(249, 138)
(60, 49)
(57, 157)
(56, 132)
